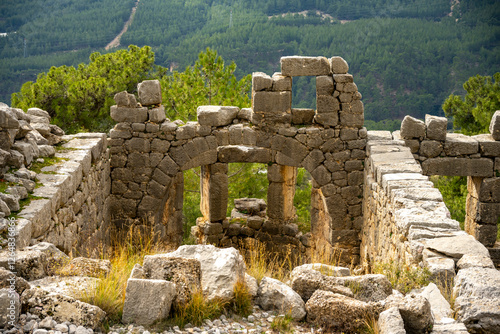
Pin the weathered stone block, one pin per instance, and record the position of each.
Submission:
(261, 81)
(495, 125)
(187, 131)
(272, 102)
(436, 127)
(239, 153)
(342, 78)
(304, 66)
(157, 115)
(126, 114)
(482, 167)
(430, 148)
(412, 128)
(327, 104)
(324, 85)
(351, 119)
(338, 65)
(488, 147)
(149, 92)
(147, 301)
(216, 115)
(124, 99)
(327, 119)
(281, 82)
(459, 144)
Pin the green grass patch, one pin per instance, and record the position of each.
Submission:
(282, 324)
(403, 278)
(48, 161)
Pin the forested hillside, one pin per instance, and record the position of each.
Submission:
(406, 56)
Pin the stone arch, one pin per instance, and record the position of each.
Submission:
(149, 152)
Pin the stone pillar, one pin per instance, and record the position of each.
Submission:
(170, 229)
(214, 192)
(281, 191)
(320, 219)
(483, 209)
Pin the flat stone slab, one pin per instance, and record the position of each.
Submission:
(456, 247)
(304, 66)
(482, 167)
(379, 135)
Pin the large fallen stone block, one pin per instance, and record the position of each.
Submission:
(299, 66)
(56, 259)
(338, 313)
(61, 308)
(82, 266)
(30, 264)
(456, 247)
(477, 303)
(391, 322)
(416, 312)
(184, 273)
(220, 268)
(147, 301)
(275, 295)
(73, 286)
(216, 115)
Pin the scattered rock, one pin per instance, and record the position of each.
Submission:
(275, 295)
(391, 322)
(82, 266)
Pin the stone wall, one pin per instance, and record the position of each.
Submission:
(149, 151)
(70, 208)
(454, 154)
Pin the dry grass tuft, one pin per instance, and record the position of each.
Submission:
(403, 278)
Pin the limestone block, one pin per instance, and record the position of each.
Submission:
(430, 148)
(416, 312)
(187, 131)
(245, 114)
(62, 308)
(342, 78)
(81, 266)
(261, 81)
(281, 82)
(126, 114)
(271, 119)
(124, 99)
(8, 120)
(214, 194)
(321, 175)
(120, 134)
(220, 268)
(157, 115)
(495, 125)
(484, 189)
(168, 166)
(275, 295)
(149, 92)
(324, 85)
(38, 112)
(240, 153)
(147, 301)
(338, 65)
(351, 120)
(6, 140)
(255, 222)
(29, 264)
(327, 119)
(138, 145)
(251, 206)
(313, 160)
(478, 299)
(436, 127)
(302, 116)
(482, 167)
(28, 151)
(338, 313)
(216, 115)
(391, 322)
(488, 147)
(272, 102)
(459, 144)
(472, 260)
(304, 66)
(379, 135)
(327, 104)
(412, 128)
(184, 273)
(442, 270)
(456, 247)
(484, 233)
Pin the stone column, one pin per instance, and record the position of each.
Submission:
(214, 192)
(483, 209)
(170, 229)
(281, 191)
(320, 219)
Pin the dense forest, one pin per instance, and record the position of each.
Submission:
(406, 56)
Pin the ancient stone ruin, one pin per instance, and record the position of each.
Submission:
(371, 197)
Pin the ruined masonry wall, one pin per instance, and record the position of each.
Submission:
(73, 212)
(149, 151)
